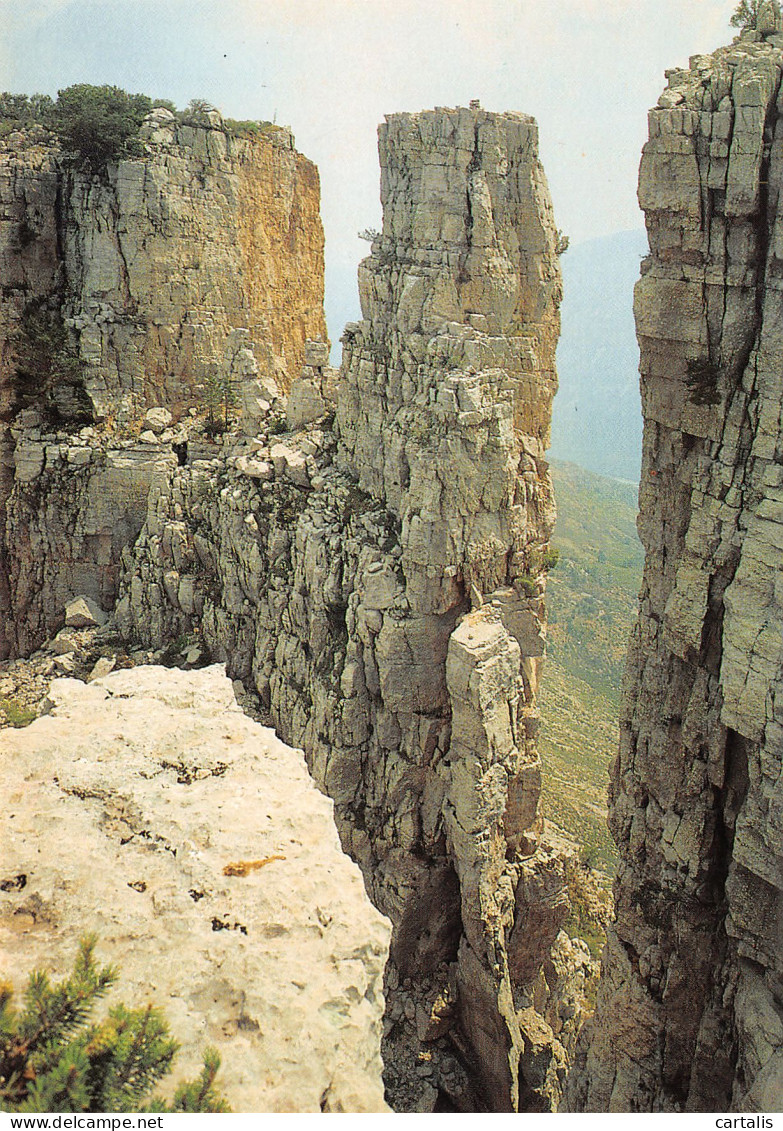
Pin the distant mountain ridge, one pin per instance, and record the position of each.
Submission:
(597, 418)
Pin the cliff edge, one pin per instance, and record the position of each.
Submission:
(199, 262)
(376, 574)
(146, 808)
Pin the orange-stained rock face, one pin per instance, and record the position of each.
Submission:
(280, 239)
(154, 264)
(202, 259)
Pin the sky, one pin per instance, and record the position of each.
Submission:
(588, 70)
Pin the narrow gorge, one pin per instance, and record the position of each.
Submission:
(366, 553)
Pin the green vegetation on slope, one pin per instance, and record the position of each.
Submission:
(591, 598)
(54, 1059)
(592, 594)
(97, 125)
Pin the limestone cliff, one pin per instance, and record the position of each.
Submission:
(146, 807)
(122, 291)
(689, 1015)
(379, 579)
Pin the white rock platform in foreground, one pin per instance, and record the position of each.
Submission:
(122, 807)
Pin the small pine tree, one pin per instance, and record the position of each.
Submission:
(220, 397)
(52, 1060)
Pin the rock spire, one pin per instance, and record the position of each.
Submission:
(337, 571)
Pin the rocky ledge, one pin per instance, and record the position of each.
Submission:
(146, 807)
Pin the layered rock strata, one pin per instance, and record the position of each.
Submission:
(146, 808)
(200, 261)
(380, 584)
(690, 1013)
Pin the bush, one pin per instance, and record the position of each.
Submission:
(15, 713)
(99, 124)
(24, 110)
(49, 372)
(550, 558)
(527, 584)
(221, 399)
(745, 14)
(197, 112)
(52, 1060)
(702, 382)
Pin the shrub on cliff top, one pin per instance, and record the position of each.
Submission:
(99, 124)
(52, 1060)
(19, 110)
(745, 14)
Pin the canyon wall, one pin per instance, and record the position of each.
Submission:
(122, 291)
(689, 1015)
(377, 577)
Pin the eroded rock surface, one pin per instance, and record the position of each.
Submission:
(202, 260)
(123, 808)
(689, 1015)
(375, 574)
(380, 584)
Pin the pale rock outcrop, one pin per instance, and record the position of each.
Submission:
(689, 1015)
(333, 571)
(83, 612)
(124, 808)
(75, 504)
(156, 263)
(312, 394)
(201, 260)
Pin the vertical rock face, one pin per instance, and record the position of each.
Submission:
(153, 263)
(203, 258)
(381, 586)
(689, 1014)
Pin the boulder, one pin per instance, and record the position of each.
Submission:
(157, 419)
(305, 403)
(83, 612)
(316, 353)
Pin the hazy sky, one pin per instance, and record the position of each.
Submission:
(588, 70)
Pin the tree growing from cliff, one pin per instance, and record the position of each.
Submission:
(197, 112)
(49, 371)
(745, 14)
(99, 124)
(52, 1059)
(221, 399)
